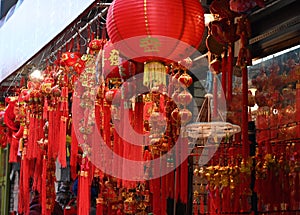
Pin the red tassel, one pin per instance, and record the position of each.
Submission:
(84, 189)
(24, 193)
(44, 186)
(202, 209)
(226, 199)
(31, 131)
(229, 73)
(100, 208)
(217, 199)
(155, 189)
(245, 142)
(74, 153)
(38, 169)
(195, 207)
(163, 194)
(184, 171)
(62, 156)
(64, 100)
(50, 134)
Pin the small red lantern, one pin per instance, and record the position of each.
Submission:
(185, 79)
(156, 34)
(69, 58)
(185, 98)
(114, 66)
(185, 116)
(97, 44)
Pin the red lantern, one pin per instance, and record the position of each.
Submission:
(70, 58)
(97, 44)
(185, 116)
(156, 34)
(185, 79)
(185, 98)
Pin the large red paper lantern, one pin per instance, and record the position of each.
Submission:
(159, 25)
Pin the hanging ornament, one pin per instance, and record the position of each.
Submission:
(113, 65)
(70, 58)
(96, 44)
(185, 79)
(185, 116)
(185, 98)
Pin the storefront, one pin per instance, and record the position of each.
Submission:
(120, 111)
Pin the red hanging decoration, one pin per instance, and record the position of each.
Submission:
(62, 155)
(74, 153)
(44, 186)
(84, 189)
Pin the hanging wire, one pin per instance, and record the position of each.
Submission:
(81, 30)
(14, 81)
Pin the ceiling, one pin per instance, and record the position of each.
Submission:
(274, 28)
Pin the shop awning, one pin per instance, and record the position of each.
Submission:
(33, 26)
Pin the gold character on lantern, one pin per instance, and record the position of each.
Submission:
(150, 44)
(114, 57)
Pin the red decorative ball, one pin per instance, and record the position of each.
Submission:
(185, 98)
(185, 116)
(185, 79)
(156, 33)
(69, 58)
(97, 44)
